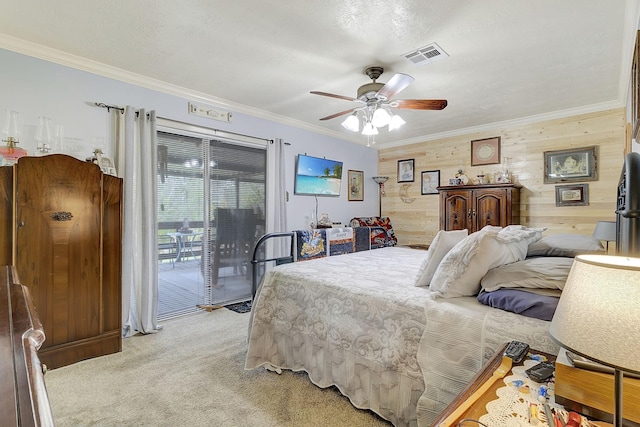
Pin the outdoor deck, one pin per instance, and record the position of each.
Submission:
(181, 287)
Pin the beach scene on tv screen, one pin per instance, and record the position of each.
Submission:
(318, 176)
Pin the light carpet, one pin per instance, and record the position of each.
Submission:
(192, 374)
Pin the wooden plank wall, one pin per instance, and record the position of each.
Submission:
(523, 146)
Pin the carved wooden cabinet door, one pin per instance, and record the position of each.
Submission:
(490, 208)
(455, 210)
(57, 253)
(67, 251)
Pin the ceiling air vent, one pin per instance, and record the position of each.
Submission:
(427, 54)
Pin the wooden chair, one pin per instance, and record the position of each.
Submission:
(232, 243)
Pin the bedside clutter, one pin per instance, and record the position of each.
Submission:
(591, 393)
(327, 241)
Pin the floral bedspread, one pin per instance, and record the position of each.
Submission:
(356, 321)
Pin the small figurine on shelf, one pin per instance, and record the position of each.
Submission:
(324, 221)
(483, 179)
(505, 177)
(462, 177)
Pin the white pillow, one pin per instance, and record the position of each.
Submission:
(460, 272)
(565, 245)
(440, 246)
(531, 273)
(519, 238)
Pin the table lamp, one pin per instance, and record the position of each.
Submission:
(605, 231)
(598, 315)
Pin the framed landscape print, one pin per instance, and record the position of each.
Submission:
(485, 151)
(356, 185)
(572, 195)
(430, 182)
(576, 164)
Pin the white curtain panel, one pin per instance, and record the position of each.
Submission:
(136, 157)
(280, 213)
(277, 186)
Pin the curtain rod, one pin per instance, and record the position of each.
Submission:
(109, 107)
(121, 109)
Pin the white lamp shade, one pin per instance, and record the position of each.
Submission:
(369, 129)
(605, 230)
(598, 315)
(396, 122)
(352, 123)
(380, 118)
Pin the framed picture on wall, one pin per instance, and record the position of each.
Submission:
(405, 170)
(576, 164)
(430, 182)
(485, 151)
(356, 185)
(572, 195)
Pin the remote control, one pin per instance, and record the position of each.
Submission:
(541, 372)
(516, 350)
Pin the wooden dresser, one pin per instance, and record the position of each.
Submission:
(24, 399)
(63, 235)
(475, 206)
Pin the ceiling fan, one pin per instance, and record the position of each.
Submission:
(376, 101)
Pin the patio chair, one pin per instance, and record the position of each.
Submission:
(167, 249)
(233, 240)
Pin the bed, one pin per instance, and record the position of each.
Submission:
(401, 331)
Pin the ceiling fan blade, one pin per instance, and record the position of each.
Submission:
(341, 113)
(331, 95)
(419, 104)
(397, 83)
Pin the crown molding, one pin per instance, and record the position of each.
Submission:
(594, 108)
(80, 63)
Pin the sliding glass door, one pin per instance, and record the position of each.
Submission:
(211, 204)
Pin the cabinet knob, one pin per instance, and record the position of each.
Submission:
(21, 224)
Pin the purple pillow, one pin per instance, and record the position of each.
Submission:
(522, 302)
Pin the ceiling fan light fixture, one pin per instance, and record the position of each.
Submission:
(396, 122)
(369, 129)
(352, 123)
(377, 101)
(380, 117)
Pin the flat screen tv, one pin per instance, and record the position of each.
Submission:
(317, 177)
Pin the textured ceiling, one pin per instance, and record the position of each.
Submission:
(508, 59)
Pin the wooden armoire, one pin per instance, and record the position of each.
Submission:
(475, 206)
(62, 230)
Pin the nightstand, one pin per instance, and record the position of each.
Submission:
(591, 393)
(478, 408)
